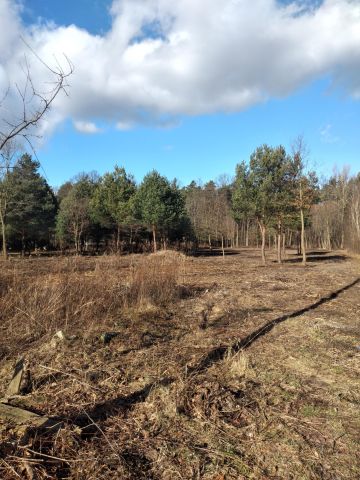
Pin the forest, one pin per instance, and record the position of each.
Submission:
(271, 201)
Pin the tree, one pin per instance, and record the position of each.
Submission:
(63, 191)
(31, 205)
(242, 198)
(353, 216)
(22, 107)
(193, 205)
(208, 211)
(112, 201)
(74, 217)
(341, 193)
(305, 187)
(269, 179)
(158, 204)
(7, 156)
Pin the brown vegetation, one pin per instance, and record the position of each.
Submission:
(185, 389)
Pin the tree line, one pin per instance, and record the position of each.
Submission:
(273, 202)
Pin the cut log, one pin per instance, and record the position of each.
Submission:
(24, 422)
(19, 416)
(15, 384)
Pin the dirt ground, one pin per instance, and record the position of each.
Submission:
(252, 374)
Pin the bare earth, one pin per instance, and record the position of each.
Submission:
(253, 374)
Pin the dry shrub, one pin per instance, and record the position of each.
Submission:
(236, 364)
(154, 280)
(39, 297)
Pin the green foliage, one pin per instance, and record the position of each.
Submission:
(159, 203)
(270, 191)
(112, 200)
(63, 191)
(32, 205)
(74, 217)
(271, 183)
(242, 194)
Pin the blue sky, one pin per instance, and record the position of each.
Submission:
(198, 144)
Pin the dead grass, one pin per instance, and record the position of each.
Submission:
(41, 297)
(139, 407)
(235, 364)
(154, 280)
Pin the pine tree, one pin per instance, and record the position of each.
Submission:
(32, 205)
(271, 183)
(75, 216)
(112, 201)
(158, 204)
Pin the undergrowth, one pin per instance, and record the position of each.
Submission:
(41, 297)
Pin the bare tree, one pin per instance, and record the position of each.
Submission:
(342, 192)
(353, 222)
(305, 186)
(34, 103)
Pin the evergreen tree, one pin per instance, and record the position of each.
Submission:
(271, 183)
(32, 205)
(159, 204)
(242, 198)
(112, 201)
(74, 218)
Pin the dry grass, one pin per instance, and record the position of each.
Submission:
(41, 297)
(154, 280)
(236, 364)
(146, 406)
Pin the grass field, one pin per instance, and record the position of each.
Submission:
(212, 368)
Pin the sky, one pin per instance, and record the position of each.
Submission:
(187, 87)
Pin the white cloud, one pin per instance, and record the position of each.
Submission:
(167, 58)
(86, 127)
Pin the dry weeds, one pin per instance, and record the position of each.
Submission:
(171, 396)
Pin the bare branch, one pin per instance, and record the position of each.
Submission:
(31, 117)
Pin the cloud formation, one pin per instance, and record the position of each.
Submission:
(86, 127)
(167, 58)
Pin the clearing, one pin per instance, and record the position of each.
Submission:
(245, 373)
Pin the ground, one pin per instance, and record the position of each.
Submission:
(250, 372)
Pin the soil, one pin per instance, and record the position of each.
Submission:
(252, 374)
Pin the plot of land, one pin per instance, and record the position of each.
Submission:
(247, 372)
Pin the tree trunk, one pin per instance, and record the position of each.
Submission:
(3, 234)
(284, 245)
(263, 241)
(303, 246)
(279, 234)
(298, 242)
(278, 248)
(118, 239)
(154, 238)
(222, 246)
(247, 233)
(22, 245)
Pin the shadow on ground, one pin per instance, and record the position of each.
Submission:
(215, 252)
(317, 257)
(102, 411)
